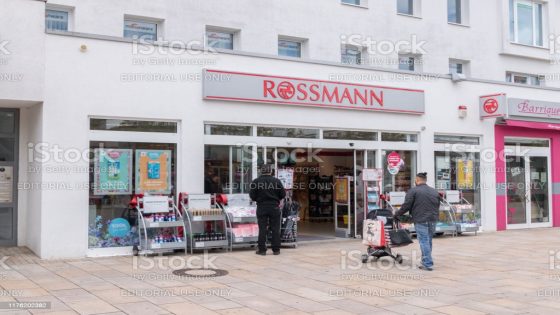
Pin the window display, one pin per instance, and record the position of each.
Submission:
(460, 171)
(111, 222)
(399, 170)
(228, 169)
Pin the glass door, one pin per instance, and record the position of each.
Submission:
(528, 188)
(8, 176)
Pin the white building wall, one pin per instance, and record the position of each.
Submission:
(484, 41)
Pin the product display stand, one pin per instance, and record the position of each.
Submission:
(289, 221)
(241, 216)
(464, 212)
(205, 223)
(372, 184)
(161, 226)
(394, 202)
(446, 223)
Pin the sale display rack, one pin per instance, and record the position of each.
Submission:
(464, 212)
(160, 225)
(241, 219)
(446, 222)
(205, 222)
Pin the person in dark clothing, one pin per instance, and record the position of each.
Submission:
(423, 204)
(268, 191)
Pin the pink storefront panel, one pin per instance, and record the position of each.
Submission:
(526, 130)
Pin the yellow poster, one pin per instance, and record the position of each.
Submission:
(153, 171)
(465, 174)
(341, 190)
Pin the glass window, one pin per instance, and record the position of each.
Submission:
(133, 125)
(223, 40)
(460, 171)
(228, 130)
(355, 2)
(528, 79)
(56, 20)
(526, 22)
(350, 135)
(7, 149)
(351, 55)
(399, 137)
(288, 132)
(7, 122)
(228, 169)
(289, 48)
(542, 143)
(407, 63)
(401, 176)
(454, 11)
(455, 67)
(456, 139)
(114, 173)
(405, 7)
(140, 30)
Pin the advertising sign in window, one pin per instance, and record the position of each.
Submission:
(113, 172)
(153, 171)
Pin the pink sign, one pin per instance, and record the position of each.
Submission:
(393, 159)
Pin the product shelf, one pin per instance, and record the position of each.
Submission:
(156, 237)
(204, 219)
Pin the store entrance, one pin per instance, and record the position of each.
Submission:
(9, 124)
(528, 188)
(316, 172)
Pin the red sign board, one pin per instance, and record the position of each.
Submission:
(393, 159)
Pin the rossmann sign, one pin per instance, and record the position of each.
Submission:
(259, 88)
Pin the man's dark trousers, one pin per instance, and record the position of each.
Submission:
(269, 217)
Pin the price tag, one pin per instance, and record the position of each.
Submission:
(156, 245)
(239, 239)
(199, 244)
(237, 220)
(197, 218)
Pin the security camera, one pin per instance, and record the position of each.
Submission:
(351, 144)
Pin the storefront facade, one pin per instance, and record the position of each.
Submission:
(185, 114)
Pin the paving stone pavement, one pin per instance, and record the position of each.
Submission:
(512, 272)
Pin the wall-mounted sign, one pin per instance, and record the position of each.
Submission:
(286, 176)
(153, 171)
(341, 190)
(394, 162)
(545, 111)
(248, 87)
(113, 172)
(492, 106)
(6, 184)
(372, 174)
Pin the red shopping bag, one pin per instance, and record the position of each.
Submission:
(374, 233)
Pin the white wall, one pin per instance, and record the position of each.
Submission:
(22, 25)
(485, 41)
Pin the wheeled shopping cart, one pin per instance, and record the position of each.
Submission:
(384, 250)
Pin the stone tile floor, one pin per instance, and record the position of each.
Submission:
(513, 272)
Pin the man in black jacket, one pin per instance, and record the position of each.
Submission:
(268, 191)
(423, 203)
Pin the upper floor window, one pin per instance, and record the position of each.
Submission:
(458, 67)
(138, 29)
(409, 62)
(526, 22)
(56, 20)
(351, 55)
(289, 48)
(529, 79)
(454, 12)
(405, 7)
(219, 39)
